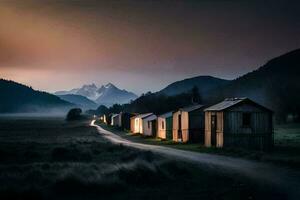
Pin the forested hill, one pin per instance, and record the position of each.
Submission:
(275, 85)
(203, 83)
(15, 97)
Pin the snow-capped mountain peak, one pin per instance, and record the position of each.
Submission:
(108, 85)
(107, 94)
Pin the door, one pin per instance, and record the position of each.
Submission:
(153, 128)
(213, 129)
(179, 128)
(169, 128)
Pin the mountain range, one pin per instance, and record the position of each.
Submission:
(79, 101)
(106, 95)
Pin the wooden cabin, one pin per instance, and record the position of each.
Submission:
(188, 124)
(108, 118)
(125, 120)
(136, 123)
(239, 122)
(116, 120)
(103, 119)
(165, 126)
(149, 125)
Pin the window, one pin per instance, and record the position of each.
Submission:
(246, 119)
(148, 124)
(162, 125)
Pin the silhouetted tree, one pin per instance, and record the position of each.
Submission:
(74, 114)
(102, 110)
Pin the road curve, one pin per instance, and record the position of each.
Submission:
(284, 178)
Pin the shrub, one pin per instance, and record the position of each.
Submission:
(74, 114)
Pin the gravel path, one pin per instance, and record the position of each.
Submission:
(286, 179)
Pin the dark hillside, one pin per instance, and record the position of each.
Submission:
(275, 85)
(203, 83)
(15, 97)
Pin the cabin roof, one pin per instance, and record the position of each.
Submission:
(144, 115)
(191, 108)
(229, 102)
(114, 115)
(150, 117)
(166, 115)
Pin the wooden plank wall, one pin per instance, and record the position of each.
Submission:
(185, 126)
(207, 142)
(196, 126)
(175, 126)
(161, 132)
(169, 127)
(132, 127)
(220, 129)
(257, 136)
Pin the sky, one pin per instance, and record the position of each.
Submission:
(140, 45)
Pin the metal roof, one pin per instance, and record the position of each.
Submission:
(225, 104)
(150, 117)
(114, 115)
(229, 102)
(166, 115)
(191, 108)
(144, 115)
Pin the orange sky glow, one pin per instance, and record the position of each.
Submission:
(64, 44)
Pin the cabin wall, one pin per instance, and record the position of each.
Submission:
(136, 125)
(119, 120)
(113, 121)
(207, 129)
(257, 136)
(104, 119)
(147, 127)
(192, 126)
(132, 125)
(196, 126)
(140, 126)
(185, 126)
(108, 119)
(175, 126)
(169, 127)
(161, 131)
(116, 121)
(125, 121)
(219, 129)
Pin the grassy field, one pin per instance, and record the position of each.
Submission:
(49, 158)
(286, 149)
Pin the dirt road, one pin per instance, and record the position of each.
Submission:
(262, 173)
